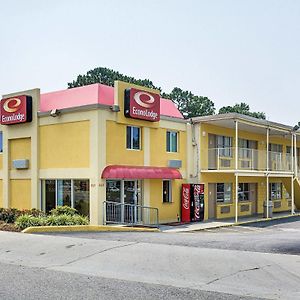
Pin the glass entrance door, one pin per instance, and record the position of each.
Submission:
(127, 192)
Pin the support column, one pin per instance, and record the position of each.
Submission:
(293, 195)
(236, 145)
(236, 169)
(268, 196)
(236, 197)
(296, 157)
(292, 178)
(268, 140)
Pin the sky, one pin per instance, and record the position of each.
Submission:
(228, 50)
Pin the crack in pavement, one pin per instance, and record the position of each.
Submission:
(237, 272)
(90, 255)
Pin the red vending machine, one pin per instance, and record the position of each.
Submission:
(192, 202)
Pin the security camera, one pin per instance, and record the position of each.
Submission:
(54, 112)
(296, 127)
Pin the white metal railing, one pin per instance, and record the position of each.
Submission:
(248, 159)
(129, 214)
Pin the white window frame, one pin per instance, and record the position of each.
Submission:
(170, 139)
(169, 200)
(131, 137)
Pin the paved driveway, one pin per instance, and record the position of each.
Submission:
(280, 236)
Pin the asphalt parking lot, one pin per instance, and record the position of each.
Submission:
(276, 236)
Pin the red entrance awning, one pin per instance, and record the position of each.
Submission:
(136, 172)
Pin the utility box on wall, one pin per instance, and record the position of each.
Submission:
(21, 164)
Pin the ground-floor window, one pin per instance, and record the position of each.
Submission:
(167, 191)
(224, 192)
(244, 192)
(275, 190)
(71, 192)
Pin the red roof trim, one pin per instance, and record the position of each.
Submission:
(137, 172)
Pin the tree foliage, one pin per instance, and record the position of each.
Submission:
(108, 76)
(188, 104)
(243, 109)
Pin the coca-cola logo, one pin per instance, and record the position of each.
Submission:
(144, 99)
(186, 197)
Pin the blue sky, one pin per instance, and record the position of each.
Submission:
(229, 50)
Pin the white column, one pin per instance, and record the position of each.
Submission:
(293, 195)
(296, 157)
(236, 144)
(268, 137)
(292, 178)
(236, 197)
(268, 195)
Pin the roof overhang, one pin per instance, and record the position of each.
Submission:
(246, 123)
(139, 172)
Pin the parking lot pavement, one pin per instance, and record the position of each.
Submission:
(280, 236)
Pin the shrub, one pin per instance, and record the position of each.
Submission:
(66, 220)
(63, 210)
(9, 215)
(25, 221)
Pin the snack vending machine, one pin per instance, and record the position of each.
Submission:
(192, 202)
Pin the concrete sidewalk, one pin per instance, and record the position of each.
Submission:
(197, 226)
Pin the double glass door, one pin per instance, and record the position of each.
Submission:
(128, 194)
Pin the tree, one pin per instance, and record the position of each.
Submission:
(108, 76)
(189, 104)
(243, 109)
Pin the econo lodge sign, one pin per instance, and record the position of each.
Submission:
(142, 105)
(16, 110)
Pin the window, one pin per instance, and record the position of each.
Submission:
(1, 141)
(73, 193)
(224, 143)
(172, 141)
(275, 191)
(244, 191)
(167, 191)
(133, 137)
(275, 148)
(224, 192)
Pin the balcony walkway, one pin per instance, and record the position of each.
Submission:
(206, 225)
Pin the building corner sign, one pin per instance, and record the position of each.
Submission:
(16, 110)
(139, 104)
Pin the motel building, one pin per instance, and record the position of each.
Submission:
(123, 154)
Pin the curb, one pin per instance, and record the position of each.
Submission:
(250, 222)
(85, 228)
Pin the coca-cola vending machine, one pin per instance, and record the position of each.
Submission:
(192, 202)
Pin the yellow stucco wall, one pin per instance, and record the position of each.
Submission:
(116, 152)
(19, 149)
(158, 148)
(168, 212)
(1, 193)
(20, 193)
(1, 161)
(65, 145)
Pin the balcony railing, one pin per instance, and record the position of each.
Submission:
(248, 159)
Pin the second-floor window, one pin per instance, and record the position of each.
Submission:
(224, 144)
(172, 141)
(133, 137)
